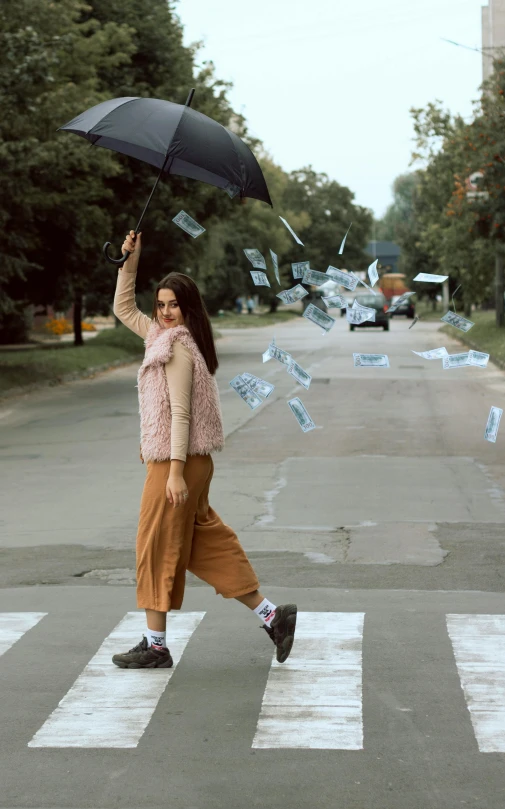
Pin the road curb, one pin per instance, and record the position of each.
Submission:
(470, 344)
(70, 377)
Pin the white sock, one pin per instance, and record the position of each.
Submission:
(156, 639)
(265, 611)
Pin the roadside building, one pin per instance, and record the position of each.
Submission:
(493, 34)
(388, 254)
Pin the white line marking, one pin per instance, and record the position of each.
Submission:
(478, 642)
(13, 626)
(111, 707)
(314, 699)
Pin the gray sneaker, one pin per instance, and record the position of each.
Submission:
(282, 630)
(143, 656)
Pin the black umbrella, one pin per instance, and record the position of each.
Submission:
(175, 139)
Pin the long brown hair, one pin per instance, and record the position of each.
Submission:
(194, 312)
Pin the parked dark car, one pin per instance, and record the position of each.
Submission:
(406, 308)
(377, 302)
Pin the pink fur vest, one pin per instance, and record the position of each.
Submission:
(206, 427)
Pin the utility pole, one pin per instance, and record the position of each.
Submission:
(499, 287)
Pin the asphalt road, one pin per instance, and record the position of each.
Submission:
(385, 525)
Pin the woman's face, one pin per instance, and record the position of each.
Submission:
(169, 313)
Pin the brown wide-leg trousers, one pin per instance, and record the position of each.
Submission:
(190, 537)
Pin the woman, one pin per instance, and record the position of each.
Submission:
(180, 425)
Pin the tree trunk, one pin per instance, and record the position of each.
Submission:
(117, 321)
(499, 287)
(467, 307)
(78, 341)
(274, 303)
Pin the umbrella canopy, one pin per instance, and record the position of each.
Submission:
(176, 139)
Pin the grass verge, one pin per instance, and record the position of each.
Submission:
(54, 364)
(230, 320)
(484, 336)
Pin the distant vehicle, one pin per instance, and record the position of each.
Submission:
(377, 302)
(406, 308)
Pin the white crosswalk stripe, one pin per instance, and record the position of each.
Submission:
(478, 642)
(13, 626)
(314, 699)
(108, 706)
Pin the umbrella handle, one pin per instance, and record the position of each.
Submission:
(111, 260)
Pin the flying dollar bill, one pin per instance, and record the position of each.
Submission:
(314, 277)
(335, 302)
(259, 279)
(276, 353)
(291, 231)
(394, 306)
(344, 240)
(299, 374)
(457, 321)
(455, 360)
(260, 386)
(292, 295)
(493, 423)
(245, 392)
(372, 272)
(360, 281)
(299, 268)
(301, 415)
(369, 311)
(187, 223)
(232, 190)
(355, 317)
(256, 258)
(275, 262)
(371, 360)
(478, 358)
(429, 278)
(319, 317)
(345, 279)
(433, 354)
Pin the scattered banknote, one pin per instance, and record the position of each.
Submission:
(394, 306)
(369, 311)
(478, 358)
(343, 240)
(291, 231)
(314, 277)
(342, 277)
(275, 262)
(301, 415)
(185, 221)
(299, 374)
(232, 190)
(292, 295)
(372, 272)
(493, 423)
(457, 321)
(372, 360)
(299, 267)
(276, 353)
(433, 354)
(259, 278)
(245, 392)
(258, 385)
(355, 317)
(335, 302)
(455, 360)
(430, 278)
(255, 258)
(417, 317)
(266, 356)
(319, 317)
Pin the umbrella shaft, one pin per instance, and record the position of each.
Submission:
(153, 190)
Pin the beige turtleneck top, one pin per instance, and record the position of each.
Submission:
(178, 371)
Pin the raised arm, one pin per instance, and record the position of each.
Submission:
(124, 306)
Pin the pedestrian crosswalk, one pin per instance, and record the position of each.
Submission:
(312, 701)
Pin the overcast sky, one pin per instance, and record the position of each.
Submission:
(330, 83)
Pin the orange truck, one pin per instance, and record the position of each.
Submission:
(392, 283)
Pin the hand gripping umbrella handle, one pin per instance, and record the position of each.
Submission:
(114, 260)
